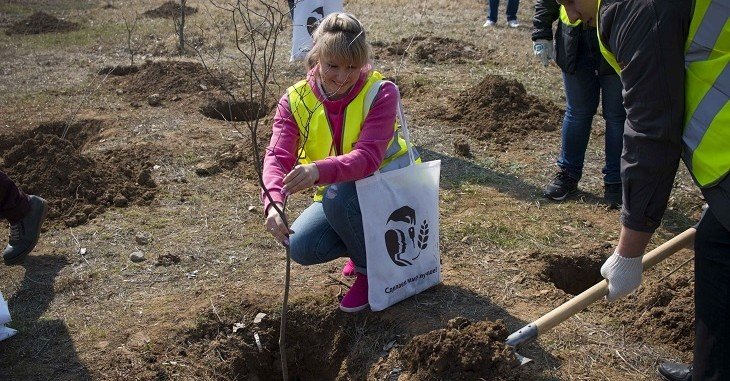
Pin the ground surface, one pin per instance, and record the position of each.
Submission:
(134, 154)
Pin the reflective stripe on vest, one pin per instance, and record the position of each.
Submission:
(607, 54)
(565, 19)
(315, 132)
(706, 137)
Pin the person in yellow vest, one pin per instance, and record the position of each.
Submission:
(673, 56)
(587, 79)
(339, 125)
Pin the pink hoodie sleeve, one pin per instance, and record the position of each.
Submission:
(281, 154)
(369, 150)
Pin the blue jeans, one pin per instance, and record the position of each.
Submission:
(512, 6)
(583, 89)
(330, 229)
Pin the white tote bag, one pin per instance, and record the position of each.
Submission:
(401, 222)
(305, 15)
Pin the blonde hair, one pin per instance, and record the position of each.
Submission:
(340, 36)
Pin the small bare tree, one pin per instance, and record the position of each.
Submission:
(181, 26)
(256, 27)
(131, 26)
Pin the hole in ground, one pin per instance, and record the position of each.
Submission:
(573, 274)
(233, 111)
(320, 342)
(118, 70)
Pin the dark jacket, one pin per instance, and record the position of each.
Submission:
(570, 41)
(648, 39)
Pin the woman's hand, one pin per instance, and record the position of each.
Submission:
(275, 225)
(300, 178)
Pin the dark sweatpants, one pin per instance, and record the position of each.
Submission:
(14, 204)
(712, 301)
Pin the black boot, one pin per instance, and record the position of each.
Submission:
(561, 186)
(670, 371)
(24, 233)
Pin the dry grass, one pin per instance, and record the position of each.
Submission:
(82, 317)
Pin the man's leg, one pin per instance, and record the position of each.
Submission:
(582, 93)
(614, 114)
(25, 214)
(512, 6)
(712, 301)
(14, 204)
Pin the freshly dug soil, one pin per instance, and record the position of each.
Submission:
(429, 49)
(41, 22)
(170, 78)
(668, 308)
(169, 10)
(499, 110)
(77, 187)
(461, 351)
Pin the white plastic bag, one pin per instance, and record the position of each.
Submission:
(5, 332)
(401, 223)
(305, 15)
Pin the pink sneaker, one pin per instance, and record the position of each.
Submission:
(357, 298)
(349, 269)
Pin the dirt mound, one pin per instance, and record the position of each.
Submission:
(668, 307)
(169, 10)
(170, 78)
(77, 187)
(429, 49)
(462, 351)
(499, 109)
(41, 22)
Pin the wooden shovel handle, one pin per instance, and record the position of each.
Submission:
(600, 289)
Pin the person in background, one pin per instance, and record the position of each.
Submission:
(493, 11)
(25, 213)
(587, 78)
(340, 125)
(673, 59)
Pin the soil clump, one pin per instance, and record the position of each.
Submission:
(77, 187)
(429, 49)
(461, 351)
(171, 78)
(41, 22)
(499, 110)
(169, 10)
(667, 306)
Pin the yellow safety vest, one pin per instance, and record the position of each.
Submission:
(706, 137)
(565, 19)
(316, 140)
(607, 54)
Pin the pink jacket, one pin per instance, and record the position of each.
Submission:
(362, 161)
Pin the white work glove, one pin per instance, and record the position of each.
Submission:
(623, 275)
(544, 51)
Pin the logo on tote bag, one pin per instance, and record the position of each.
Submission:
(403, 245)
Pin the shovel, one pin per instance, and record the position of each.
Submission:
(587, 297)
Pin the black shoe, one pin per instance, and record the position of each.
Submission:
(561, 186)
(612, 195)
(24, 234)
(670, 371)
